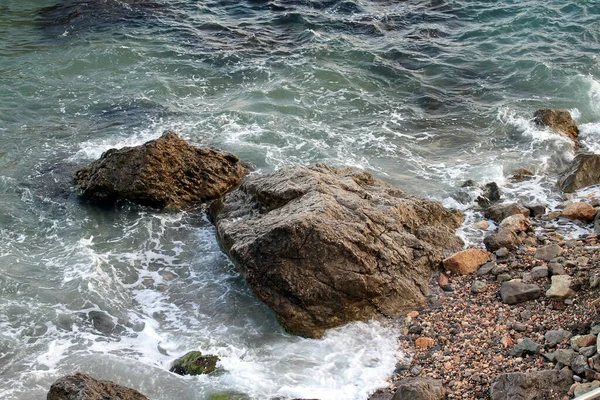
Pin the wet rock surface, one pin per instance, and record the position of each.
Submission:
(324, 246)
(195, 363)
(163, 173)
(584, 171)
(558, 120)
(84, 387)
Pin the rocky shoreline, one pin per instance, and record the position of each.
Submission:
(323, 246)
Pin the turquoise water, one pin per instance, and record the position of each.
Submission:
(423, 94)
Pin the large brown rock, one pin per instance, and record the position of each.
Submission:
(584, 171)
(324, 246)
(84, 387)
(466, 261)
(499, 212)
(504, 238)
(163, 173)
(536, 385)
(580, 210)
(558, 120)
(420, 389)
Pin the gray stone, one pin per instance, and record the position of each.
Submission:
(560, 288)
(525, 346)
(503, 277)
(547, 253)
(555, 337)
(420, 389)
(520, 327)
(597, 223)
(514, 292)
(595, 330)
(555, 269)
(515, 223)
(502, 252)
(565, 356)
(478, 286)
(583, 388)
(579, 364)
(539, 272)
(536, 210)
(499, 269)
(588, 351)
(486, 268)
(536, 385)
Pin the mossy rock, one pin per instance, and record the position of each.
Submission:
(228, 396)
(195, 363)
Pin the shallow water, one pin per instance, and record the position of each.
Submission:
(423, 94)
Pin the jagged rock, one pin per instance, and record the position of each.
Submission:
(536, 385)
(84, 387)
(521, 174)
(164, 173)
(581, 211)
(499, 212)
(515, 223)
(558, 120)
(490, 193)
(195, 363)
(466, 261)
(525, 346)
(584, 171)
(324, 246)
(547, 253)
(503, 238)
(486, 268)
(565, 356)
(536, 210)
(515, 292)
(579, 364)
(560, 288)
(420, 389)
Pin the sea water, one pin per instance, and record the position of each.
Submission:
(424, 94)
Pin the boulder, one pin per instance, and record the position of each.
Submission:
(503, 238)
(498, 212)
(515, 223)
(515, 292)
(84, 387)
(164, 173)
(560, 288)
(195, 363)
(536, 385)
(558, 120)
(420, 389)
(580, 210)
(324, 246)
(547, 253)
(584, 171)
(466, 261)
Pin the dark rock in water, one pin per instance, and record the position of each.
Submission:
(84, 387)
(490, 194)
(504, 238)
(420, 389)
(324, 246)
(559, 120)
(163, 173)
(536, 385)
(73, 16)
(515, 292)
(102, 322)
(521, 174)
(536, 210)
(195, 363)
(499, 212)
(584, 171)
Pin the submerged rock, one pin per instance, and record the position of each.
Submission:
(558, 120)
(324, 246)
(84, 387)
(195, 363)
(536, 385)
(584, 171)
(163, 173)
